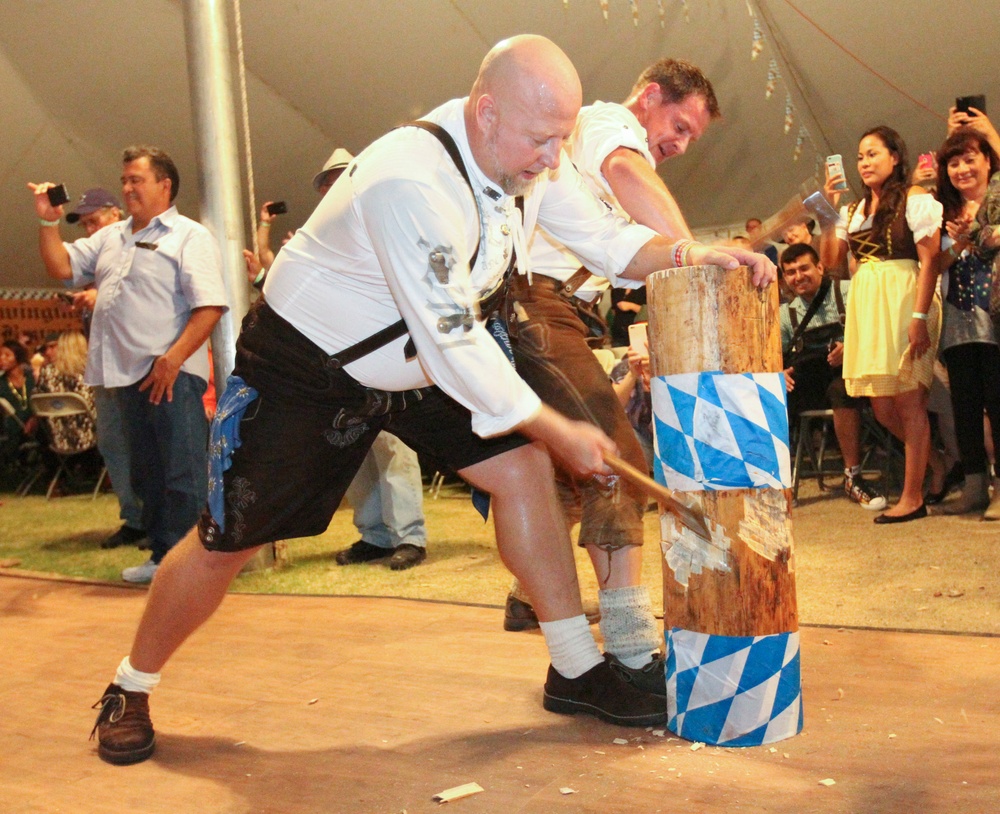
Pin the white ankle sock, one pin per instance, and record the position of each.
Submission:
(852, 471)
(628, 626)
(128, 678)
(572, 648)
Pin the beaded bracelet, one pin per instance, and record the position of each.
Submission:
(682, 252)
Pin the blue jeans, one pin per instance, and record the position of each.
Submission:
(387, 495)
(168, 445)
(113, 446)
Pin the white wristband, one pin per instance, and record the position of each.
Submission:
(920, 315)
(44, 222)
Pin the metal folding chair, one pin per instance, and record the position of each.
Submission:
(49, 406)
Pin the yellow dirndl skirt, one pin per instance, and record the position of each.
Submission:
(877, 358)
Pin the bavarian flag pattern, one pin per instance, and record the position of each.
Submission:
(721, 431)
(733, 690)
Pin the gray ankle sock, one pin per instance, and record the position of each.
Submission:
(627, 623)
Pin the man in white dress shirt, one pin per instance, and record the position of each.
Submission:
(390, 245)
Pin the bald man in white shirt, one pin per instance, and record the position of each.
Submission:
(324, 366)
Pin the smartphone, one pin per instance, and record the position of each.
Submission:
(638, 338)
(927, 161)
(963, 103)
(835, 166)
(277, 208)
(58, 195)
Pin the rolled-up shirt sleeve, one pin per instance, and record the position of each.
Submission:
(424, 254)
(200, 271)
(83, 254)
(583, 223)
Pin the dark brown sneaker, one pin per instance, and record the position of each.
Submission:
(604, 693)
(123, 728)
(361, 552)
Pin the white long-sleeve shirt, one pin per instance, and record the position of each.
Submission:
(601, 128)
(394, 236)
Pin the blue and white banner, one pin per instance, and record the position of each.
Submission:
(733, 690)
(721, 431)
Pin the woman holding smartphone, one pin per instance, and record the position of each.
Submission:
(893, 317)
(967, 163)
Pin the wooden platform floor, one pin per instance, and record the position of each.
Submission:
(315, 705)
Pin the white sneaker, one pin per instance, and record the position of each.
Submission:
(141, 573)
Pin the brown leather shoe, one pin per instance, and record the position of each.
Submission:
(406, 555)
(123, 728)
(520, 615)
(361, 552)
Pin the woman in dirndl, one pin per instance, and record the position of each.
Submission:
(893, 314)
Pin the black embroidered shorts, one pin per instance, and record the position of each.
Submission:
(304, 437)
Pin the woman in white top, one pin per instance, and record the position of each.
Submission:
(893, 316)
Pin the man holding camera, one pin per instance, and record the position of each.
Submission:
(159, 295)
(812, 343)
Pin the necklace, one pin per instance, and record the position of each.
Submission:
(20, 394)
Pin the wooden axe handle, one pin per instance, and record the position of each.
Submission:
(691, 516)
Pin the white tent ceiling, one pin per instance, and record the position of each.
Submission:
(80, 80)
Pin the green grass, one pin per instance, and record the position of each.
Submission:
(63, 536)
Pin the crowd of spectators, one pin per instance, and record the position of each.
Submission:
(919, 254)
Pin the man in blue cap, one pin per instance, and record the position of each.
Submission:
(96, 209)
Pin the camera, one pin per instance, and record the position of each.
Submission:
(277, 208)
(58, 195)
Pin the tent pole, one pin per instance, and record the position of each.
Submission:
(220, 189)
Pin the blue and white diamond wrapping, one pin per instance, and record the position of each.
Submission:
(721, 431)
(733, 690)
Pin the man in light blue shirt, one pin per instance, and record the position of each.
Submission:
(159, 295)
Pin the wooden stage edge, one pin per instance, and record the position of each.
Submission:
(359, 704)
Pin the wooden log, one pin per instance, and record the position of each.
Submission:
(705, 319)
(719, 595)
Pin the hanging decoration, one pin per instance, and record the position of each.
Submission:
(770, 88)
(604, 9)
(758, 39)
(634, 5)
(799, 139)
(687, 11)
(662, 13)
(773, 75)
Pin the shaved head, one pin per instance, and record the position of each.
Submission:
(532, 70)
(522, 107)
